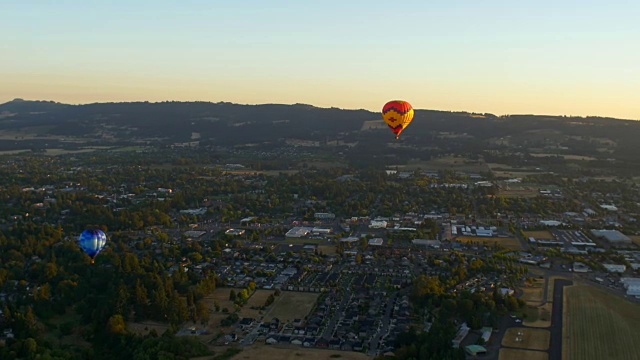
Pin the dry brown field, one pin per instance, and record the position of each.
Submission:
(291, 305)
(271, 352)
(542, 235)
(517, 354)
(508, 243)
(530, 338)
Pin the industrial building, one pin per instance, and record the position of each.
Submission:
(632, 285)
(612, 236)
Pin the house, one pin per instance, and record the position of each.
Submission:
(246, 322)
(334, 344)
(296, 341)
(273, 339)
(322, 343)
(308, 342)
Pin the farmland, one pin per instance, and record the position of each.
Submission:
(267, 352)
(508, 243)
(527, 338)
(516, 354)
(291, 305)
(604, 326)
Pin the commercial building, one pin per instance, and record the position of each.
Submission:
(324, 216)
(615, 268)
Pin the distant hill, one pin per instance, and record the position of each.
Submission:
(226, 123)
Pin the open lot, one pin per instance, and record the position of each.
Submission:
(327, 249)
(508, 243)
(566, 157)
(635, 239)
(542, 235)
(515, 354)
(518, 192)
(533, 294)
(271, 352)
(527, 338)
(539, 316)
(506, 171)
(601, 325)
(291, 305)
(258, 299)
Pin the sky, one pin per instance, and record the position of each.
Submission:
(561, 57)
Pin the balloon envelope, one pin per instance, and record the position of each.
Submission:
(397, 114)
(92, 241)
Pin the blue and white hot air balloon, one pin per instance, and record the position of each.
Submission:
(92, 241)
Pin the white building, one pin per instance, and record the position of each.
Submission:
(376, 241)
(298, 231)
(615, 268)
(378, 224)
(324, 216)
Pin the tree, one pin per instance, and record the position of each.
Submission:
(116, 324)
(232, 295)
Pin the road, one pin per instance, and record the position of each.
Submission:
(386, 321)
(555, 348)
(346, 298)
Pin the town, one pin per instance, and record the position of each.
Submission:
(336, 258)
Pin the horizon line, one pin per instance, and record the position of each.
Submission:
(316, 106)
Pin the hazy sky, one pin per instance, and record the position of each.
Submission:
(504, 57)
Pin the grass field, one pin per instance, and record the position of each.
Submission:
(508, 243)
(542, 235)
(541, 318)
(270, 352)
(601, 325)
(531, 339)
(291, 305)
(327, 249)
(566, 157)
(523, 193)
(515, 354)
(445, 163)
(532, 295)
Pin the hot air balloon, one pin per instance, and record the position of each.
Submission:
(92, 241)
(398, 115)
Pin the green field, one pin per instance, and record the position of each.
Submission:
(599, 325)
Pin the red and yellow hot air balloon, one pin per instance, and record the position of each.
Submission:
(398, 114)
